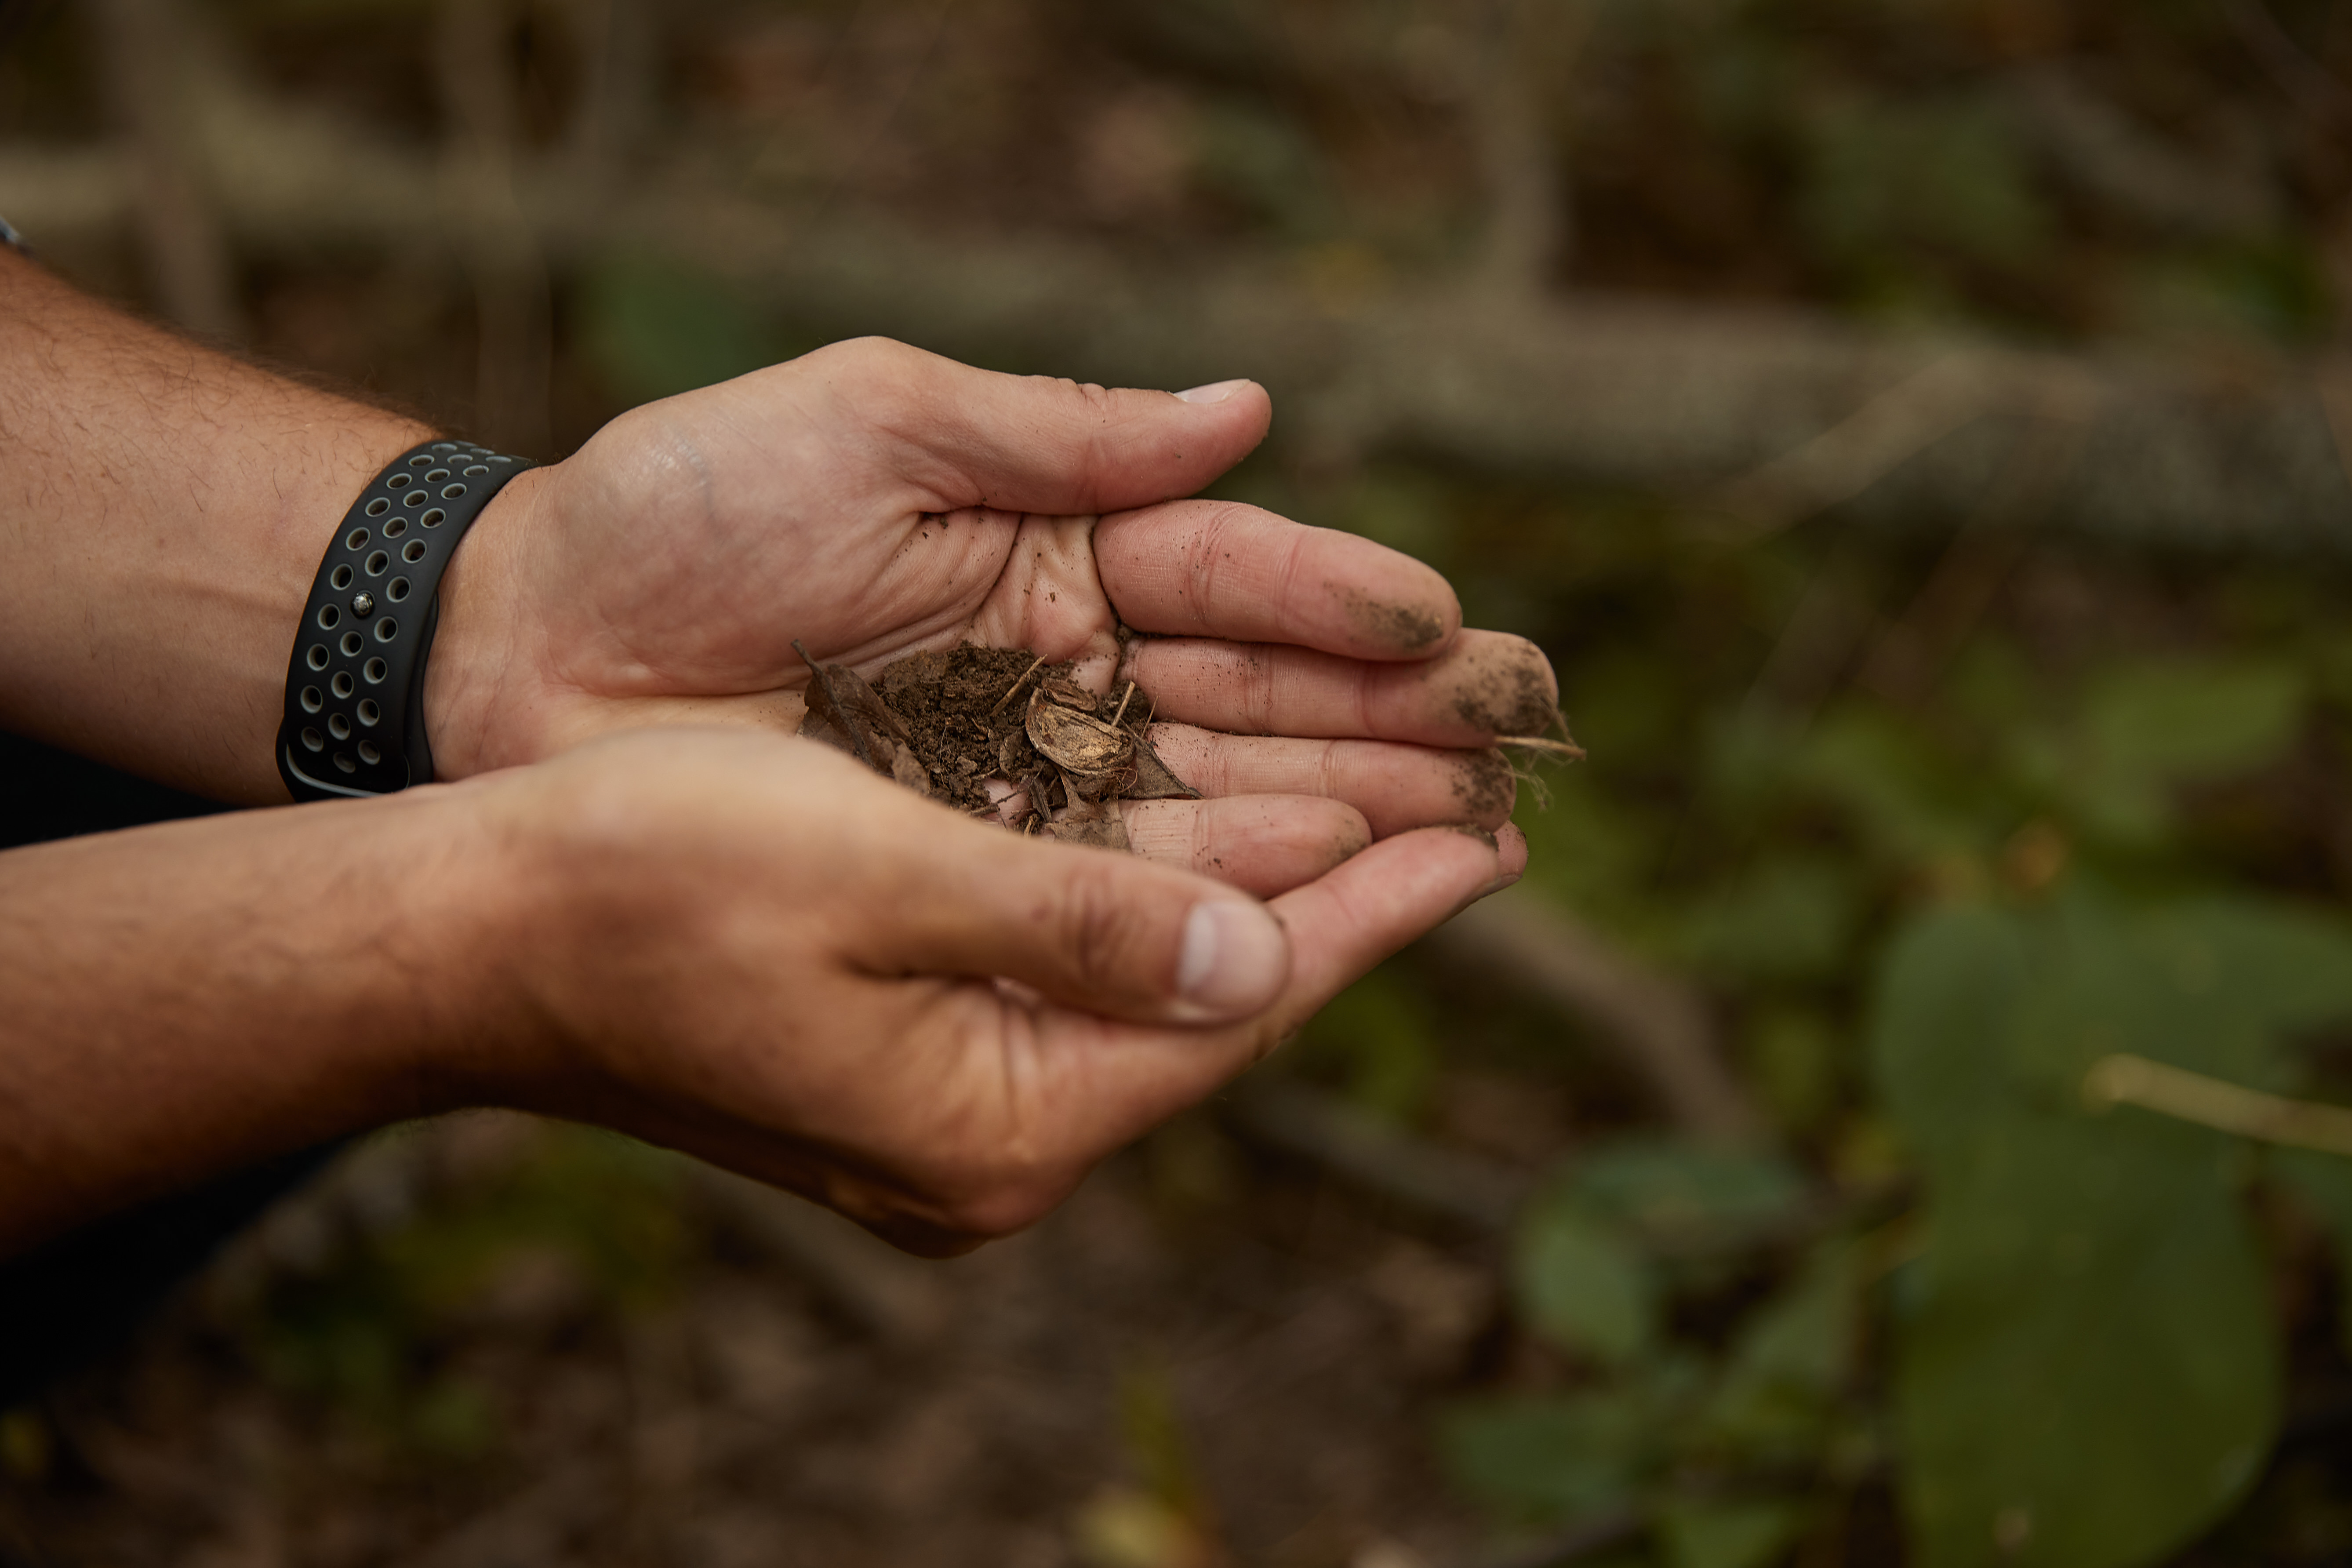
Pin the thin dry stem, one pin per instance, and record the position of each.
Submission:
(2127, 1079)
(1019, 681)
(1568, 750)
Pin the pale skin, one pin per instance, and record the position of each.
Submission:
(640, 901)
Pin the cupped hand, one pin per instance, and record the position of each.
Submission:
(874, 501)
(932, 1026)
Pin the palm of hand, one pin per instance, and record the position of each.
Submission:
(874, 501)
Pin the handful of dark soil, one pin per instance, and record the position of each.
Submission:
(944, 724)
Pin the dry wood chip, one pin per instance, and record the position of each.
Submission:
(942, 724)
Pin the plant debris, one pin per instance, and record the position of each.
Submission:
(948, 724)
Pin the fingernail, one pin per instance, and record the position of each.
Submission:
(1235, 959)
(1216, 392)
(1498, 885)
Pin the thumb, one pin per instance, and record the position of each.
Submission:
(1034, 443)
(1105, 932)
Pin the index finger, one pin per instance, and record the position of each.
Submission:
(1219, 569)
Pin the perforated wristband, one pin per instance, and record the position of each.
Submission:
(355, 690)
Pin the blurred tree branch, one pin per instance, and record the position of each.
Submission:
(474, 70)
(139, 45)
(1756, 415)
(1657, 1025)
(1531, 227)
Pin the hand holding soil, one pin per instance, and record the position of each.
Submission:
(874, 503)
(933, 1025)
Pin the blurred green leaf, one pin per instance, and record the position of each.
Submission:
(1789, 917)
(1909, 804)
(654, 329)
(1792, 1055)
(2091, 1370)
(2148, 727)
(1791, 1360)
(1686, 1197)
(2087, 1365)
(1582, 1284)
(1710, 1535)
(1539, 1461)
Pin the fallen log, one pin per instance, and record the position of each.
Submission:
(1753, 418)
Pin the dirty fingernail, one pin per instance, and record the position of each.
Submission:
(1216, 392)
(1235, 959)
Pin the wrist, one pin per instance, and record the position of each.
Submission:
(480, 903)
(484, 708)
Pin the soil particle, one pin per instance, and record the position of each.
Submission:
(945, 724)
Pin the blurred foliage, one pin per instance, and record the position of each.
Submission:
(2127, 1398)
(583, 1222)
(653, 328)
(2052, 1332)
(1925, 878)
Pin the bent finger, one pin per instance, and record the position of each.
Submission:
(1108, 1082)
(1397, 787)
(1199, 568)
(1485, 685)
(972, 437)
(1090, 1085)
(1110, 933)
(1262, 844)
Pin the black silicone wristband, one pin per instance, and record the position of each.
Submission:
(355, 689)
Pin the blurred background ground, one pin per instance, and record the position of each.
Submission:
(1913, 431)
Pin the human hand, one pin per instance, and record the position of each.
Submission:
(876, 501)
(814, 1001)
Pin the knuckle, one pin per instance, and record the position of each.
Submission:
(1007, 1208)
(1259, 681)
(1102, 936)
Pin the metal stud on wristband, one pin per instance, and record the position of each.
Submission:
(355, 689)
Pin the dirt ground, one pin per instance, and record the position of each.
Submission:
(1212, 1355)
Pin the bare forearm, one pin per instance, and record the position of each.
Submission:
(184, 997)
(162, 510)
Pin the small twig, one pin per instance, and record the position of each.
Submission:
(1569, 750)
(1017, 685)
(1128, 697)
(2127, 1079)
(1658, 1022)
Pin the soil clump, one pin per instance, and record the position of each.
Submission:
(945, 724)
